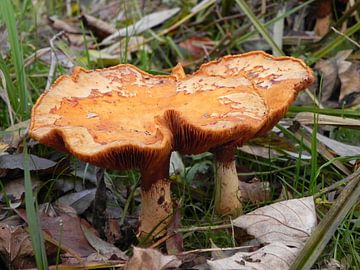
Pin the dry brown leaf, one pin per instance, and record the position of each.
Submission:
(197, 46)
(15, 189)
(147, 22)
(255, 192)
(341, 149)
(62, 25)
(151, 259)
(282, 227)
(16, 161)
(15, 246)
(13, 136)
(175, 245)
(63, 226)
(307, 118)
(80, 201)
(4, 44)
(350, 84)
(107, 250)
(100, 28)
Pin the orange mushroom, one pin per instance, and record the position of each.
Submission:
(122, 118)
(277, 81)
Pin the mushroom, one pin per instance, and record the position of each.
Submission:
(277, 80)
(123, 118)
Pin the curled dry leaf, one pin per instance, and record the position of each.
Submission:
(4, 44)
(151, 259)
(15, 189)
(341, 149)
(307, 118)
(13, 136)
(145, 23)
(255, 191)
(282, 227)
(15, 246)
(63, 226)
(350, 85)
(80, 201)
(62, 25)
(197, 46)
(100, 28)
(340, 74)
(16, 161)
(109, 251)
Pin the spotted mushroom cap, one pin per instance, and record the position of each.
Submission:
(122, 117)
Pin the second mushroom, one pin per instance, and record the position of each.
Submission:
(123, 118)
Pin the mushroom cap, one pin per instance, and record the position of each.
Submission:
(122, 117)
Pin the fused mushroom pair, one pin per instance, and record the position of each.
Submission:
(123, 118)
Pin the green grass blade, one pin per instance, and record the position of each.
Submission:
(314, 155)
(248, 35)
(333, 44)
(259, 26)
(328, 225)
(335, 112)
(21, 102)
(37, 239)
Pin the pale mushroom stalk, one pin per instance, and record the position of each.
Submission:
(227, 191)
(156, 203)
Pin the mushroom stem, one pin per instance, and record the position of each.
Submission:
(156, 203)
(227, 192)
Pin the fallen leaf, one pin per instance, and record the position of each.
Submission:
(307, 118)
(303, 133)
(176, 164)
(125, 46)
(197, 46)
(15, 189)
(100, 28)
(151, 259)
(341, 149)
(109, 251)
(80, 201)
(350, 84)
(11, 137)
(4, 44)
(63, 226)
(14, 243)
(255, 191)
(62, 59)
(273, 256)
(62, 25)
(175, 244)
(145, 23)
(16, 161)
(336, 72)
(282, 227)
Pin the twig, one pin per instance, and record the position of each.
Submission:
(204, 228)
(53, 59)
(214, 249)
(162, 240)
(345, 36)
(5, 97)
(337, 184)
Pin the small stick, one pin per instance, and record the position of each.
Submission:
(345, 36)
(5, 97)
(214, 249)
(53, 59)
(204, 228)
(337, 184)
